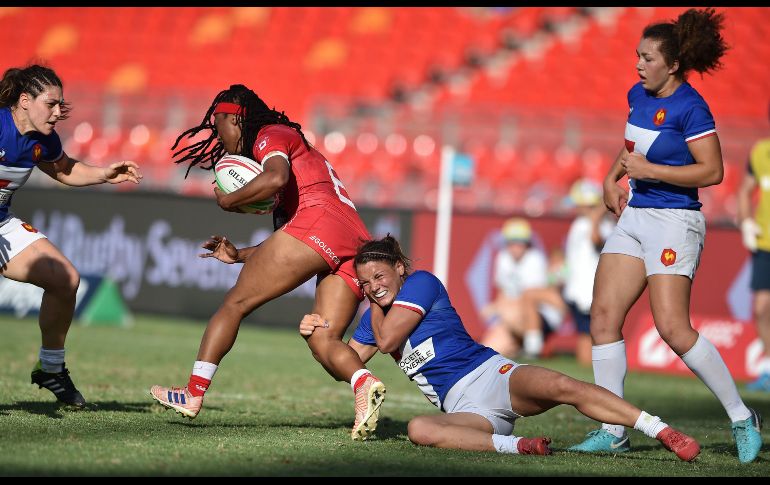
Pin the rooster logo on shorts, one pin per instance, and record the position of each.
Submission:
(505, 368)
(668, 257)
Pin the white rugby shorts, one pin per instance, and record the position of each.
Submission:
(15, 236)
(484, 391)
(669, 241)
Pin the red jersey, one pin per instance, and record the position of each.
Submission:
(313, 181)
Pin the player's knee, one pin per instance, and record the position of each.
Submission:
(603, 321)
(566, 389)
(680, 337)
(422, 431)
(64, 280)
(240, 303)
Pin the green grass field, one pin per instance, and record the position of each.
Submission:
(272, 410)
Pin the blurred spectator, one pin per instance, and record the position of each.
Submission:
(585, 239)
(756, 237)
(524, 310)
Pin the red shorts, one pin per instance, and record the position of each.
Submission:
(332, 235)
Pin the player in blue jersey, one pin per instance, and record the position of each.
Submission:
(671, 149)
(481, 392)
(31, 103)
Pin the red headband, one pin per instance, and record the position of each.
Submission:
(230, 108)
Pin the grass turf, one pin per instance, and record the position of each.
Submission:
(273, 411)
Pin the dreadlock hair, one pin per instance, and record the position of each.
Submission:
(385, 249)
(256, 114)
(694, 40)
(33, 80)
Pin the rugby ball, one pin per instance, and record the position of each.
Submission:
(232, 172)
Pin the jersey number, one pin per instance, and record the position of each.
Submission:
(342, 193)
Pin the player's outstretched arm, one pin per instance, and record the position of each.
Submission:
(78, 174)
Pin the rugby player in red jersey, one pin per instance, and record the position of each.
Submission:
(317, 231)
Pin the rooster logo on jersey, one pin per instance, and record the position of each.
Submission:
(660, 117)
(37, 151)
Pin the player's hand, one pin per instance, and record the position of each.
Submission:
(615, 198)
(222, 203)
(309, 323)
(637, 166)
(221, 248)
(125, 171)
(749, 232)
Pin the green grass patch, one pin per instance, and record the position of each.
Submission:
(272, 410)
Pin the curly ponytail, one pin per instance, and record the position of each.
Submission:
(694, 39)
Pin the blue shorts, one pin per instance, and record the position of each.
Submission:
(582, 320)
(760, 270)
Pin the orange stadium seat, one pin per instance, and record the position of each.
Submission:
(324, 63)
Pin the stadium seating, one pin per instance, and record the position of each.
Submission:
(536, 103)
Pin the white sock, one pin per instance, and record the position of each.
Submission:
(609, 363)
(533, 342)
(506, 444)
(706, 363)
(204, 369)
(51, 361)
(649, 425)
(356, 375)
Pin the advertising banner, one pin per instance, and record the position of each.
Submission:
(720, 288)
(736, 340)
(148, 245)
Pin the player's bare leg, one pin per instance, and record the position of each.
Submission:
(275, 267)
(468, 431)
(534, 390)
(337, 304)
(44, 266)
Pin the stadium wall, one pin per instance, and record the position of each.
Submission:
(720, 306)
(148, 243)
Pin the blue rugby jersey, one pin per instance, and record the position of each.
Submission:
(18, 156)
(439, 352)
(660, 129)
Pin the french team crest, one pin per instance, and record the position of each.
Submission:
(37, 152)
(28, 227)
(660, 117)
(668, 257)
(505, 368)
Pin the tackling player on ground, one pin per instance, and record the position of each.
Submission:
(481, 392)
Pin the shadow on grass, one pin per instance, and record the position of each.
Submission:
(387, 429)
(723, 448)
(58, 410)
(636, 454)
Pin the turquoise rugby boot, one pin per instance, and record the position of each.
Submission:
(747, 437)
(601, 440)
